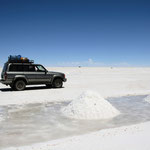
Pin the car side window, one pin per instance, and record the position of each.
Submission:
(16, 68)
(32, 68)
(26, 68)
(29, 68)
(40, 68)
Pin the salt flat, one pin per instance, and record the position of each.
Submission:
(108, 82)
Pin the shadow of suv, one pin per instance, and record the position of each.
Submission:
(18, 75)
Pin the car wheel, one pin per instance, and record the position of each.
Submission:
(57, 83)
(12, 87)
(19, 85)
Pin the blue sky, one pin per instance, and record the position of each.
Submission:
(76, 32)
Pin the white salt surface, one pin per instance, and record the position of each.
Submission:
(1, 114)
(1, 118)
(147, 99)
(90, 105)
(109, 82)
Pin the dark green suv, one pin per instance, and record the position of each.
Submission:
(18, 75)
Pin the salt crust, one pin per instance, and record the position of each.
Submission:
(147, 99)
(90, 105)
(1, 118)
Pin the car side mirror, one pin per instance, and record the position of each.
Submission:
(46, 71)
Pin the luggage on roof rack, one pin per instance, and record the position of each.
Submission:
(19, 59)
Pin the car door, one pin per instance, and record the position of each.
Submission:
(42, 74)
(30, 73)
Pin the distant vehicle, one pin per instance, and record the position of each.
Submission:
(19, 72)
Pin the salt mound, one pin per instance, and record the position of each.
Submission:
(90, 105)
(147, 99)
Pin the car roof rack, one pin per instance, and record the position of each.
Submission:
(19, 59)
(22, 62)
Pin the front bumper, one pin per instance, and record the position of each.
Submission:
(65, 80)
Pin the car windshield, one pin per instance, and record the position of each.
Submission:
(40, 68)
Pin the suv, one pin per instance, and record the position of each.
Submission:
(19, 74)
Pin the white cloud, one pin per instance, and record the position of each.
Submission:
(91, 63)
(88, 63)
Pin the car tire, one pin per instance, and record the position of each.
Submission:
(12, 87)
(19, 85)
(57, 83)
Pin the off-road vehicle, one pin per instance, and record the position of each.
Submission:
(19, 72)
